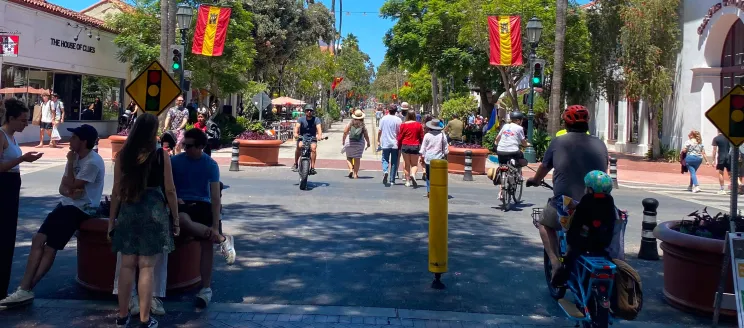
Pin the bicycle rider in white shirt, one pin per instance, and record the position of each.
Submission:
(509, 140)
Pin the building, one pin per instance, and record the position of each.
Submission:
(48, 47)
(709, 64)
(105, 8)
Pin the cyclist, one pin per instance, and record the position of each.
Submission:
(571, 157)
(308, 126)
(508, 141)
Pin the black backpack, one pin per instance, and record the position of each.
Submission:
(213, 131)
(592, 225)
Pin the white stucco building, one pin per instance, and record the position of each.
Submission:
(709, 64)
(48, 47)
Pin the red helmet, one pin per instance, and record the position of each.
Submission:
(576, 114)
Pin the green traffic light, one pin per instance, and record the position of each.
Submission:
(535, 80)
(176, 66)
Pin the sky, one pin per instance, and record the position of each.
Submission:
(369, 27)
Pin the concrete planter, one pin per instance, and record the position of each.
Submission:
(117, 142)
(456, 159)
(259, 152)
(692, 267)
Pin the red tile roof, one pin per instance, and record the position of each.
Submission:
(60, 11)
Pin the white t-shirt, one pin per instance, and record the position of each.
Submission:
(46, 111)
(389, 126)
(92, 170)
(59, 108)
(511, 137)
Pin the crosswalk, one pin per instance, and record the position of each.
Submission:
(707, 197)
(28, 168)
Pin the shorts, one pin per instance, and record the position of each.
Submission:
(725, 164)
(506, 156)
(312, 141)
(549, 216)
(46, 126)
(200, 212)
(410, 149)
(60, 225)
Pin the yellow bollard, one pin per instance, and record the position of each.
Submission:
(438, 213)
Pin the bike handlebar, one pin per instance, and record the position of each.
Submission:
(541, 184)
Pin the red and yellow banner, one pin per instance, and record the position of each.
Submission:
(505, 37)
(211, 30)
(336, 82)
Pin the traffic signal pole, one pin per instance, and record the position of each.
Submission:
(529, 151)
(183, 63)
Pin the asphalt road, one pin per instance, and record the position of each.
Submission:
(358, 243)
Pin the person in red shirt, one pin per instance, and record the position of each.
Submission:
(409, 140)
(201, 118)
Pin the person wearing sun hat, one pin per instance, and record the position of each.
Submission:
(434, 146)
(353, 142)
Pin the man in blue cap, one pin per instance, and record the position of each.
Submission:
(81, 188)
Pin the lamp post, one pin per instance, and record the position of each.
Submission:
(534, 30)
(183, 19)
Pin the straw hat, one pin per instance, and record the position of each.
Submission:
(358, 114)
(405, 105)
(433, 124)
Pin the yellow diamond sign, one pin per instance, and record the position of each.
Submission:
(153, 89)
(728, 115)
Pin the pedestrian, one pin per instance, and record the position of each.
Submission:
(387, 140)
(81, 188)
(47, 121)
(59, 118)
(694, 154)
(353, 142)
(15, 119)
(140, 219)
(176, 120)
(410, 137)
(454, 129)
(721, 149)
(434, 146)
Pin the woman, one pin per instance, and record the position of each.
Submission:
(201, 120)
(15, 119)
(353, 142)
(410, 137)
(694, 153)
(139, 224)
(434, 146)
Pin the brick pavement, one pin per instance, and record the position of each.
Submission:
(71, 313)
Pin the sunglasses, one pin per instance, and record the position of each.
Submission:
(189, 146)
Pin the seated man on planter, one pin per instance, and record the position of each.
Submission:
(308, 127)
(197, 180)
(81, 188)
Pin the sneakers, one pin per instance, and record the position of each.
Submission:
(152, 323)
(313, 172)
(294, 168)
(122, 322)
(722, 192)
(689, 188)
(385, 178)
(156, 307)
(227, 249)
(413, 182)
(408, 183)
(20, 297)
(134, 305)
(203, 298)
(696, 189)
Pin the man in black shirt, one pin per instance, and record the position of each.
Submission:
(721, 147)
(308, 126)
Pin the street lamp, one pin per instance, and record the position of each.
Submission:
(534, 31)
(183, 19)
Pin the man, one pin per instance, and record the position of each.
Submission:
(59, 108)
(571, 157)
(197, 180)
(721, 148)
(47, 121)
(176, 121)
(309, 127)
(81, 188)
(378, 115)
(454, 129)
(404, 107)
(387, 140)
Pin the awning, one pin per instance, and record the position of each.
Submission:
(286, 101)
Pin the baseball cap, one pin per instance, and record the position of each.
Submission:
(85, 132)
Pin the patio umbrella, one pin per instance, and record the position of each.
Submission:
(286, 101)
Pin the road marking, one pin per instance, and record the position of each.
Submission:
(707, 198)
(28, 168)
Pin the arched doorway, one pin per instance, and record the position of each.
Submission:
(732, 58)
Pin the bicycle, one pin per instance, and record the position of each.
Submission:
(303, 165)
(591, 280)
(510, 178)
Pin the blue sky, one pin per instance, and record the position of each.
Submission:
(369, 28)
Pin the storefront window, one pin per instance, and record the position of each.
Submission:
(732, 58)
(101, 98)
(14, 83)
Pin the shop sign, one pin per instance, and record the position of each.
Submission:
(9, 45)
(715, 8)
(73, 45)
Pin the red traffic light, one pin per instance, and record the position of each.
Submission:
(153, 77)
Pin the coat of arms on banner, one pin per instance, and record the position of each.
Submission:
(10, 45)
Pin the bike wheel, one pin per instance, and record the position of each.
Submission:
(504, 191)
(304, 172)
(518, 191)
(600, 314)
(556, 293)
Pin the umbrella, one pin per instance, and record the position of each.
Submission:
(286, 101)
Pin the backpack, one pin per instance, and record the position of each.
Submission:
(356, 133)
(213, 131)
(627, 292)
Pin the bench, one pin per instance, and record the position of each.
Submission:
(96, 262)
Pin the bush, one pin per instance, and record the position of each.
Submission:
(334, 110)
(489, 138)
(460, 106)
(540, 142)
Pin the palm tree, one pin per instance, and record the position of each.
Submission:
(556, 83)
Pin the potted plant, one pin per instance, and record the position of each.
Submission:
(693, 255)
(456, 158)
(256, 147)
(117, 142)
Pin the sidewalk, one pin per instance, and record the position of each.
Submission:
(74, 313)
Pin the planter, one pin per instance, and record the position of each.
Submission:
(117, 142)
(456, 159)
(692, 267)
(259, 152)
(96, 262)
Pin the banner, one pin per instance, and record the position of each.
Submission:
(505, 37)
(336, 82)
(9, 45)
(493, 121)
(211, 30)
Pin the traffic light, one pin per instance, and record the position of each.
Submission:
(176, 53)
(537, 73)
(736, 121)
(152, 99)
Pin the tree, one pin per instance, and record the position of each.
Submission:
(138, 41)
(310, 74)
(418, 89)
(558, 60)
(650, 42)
(606, 24)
